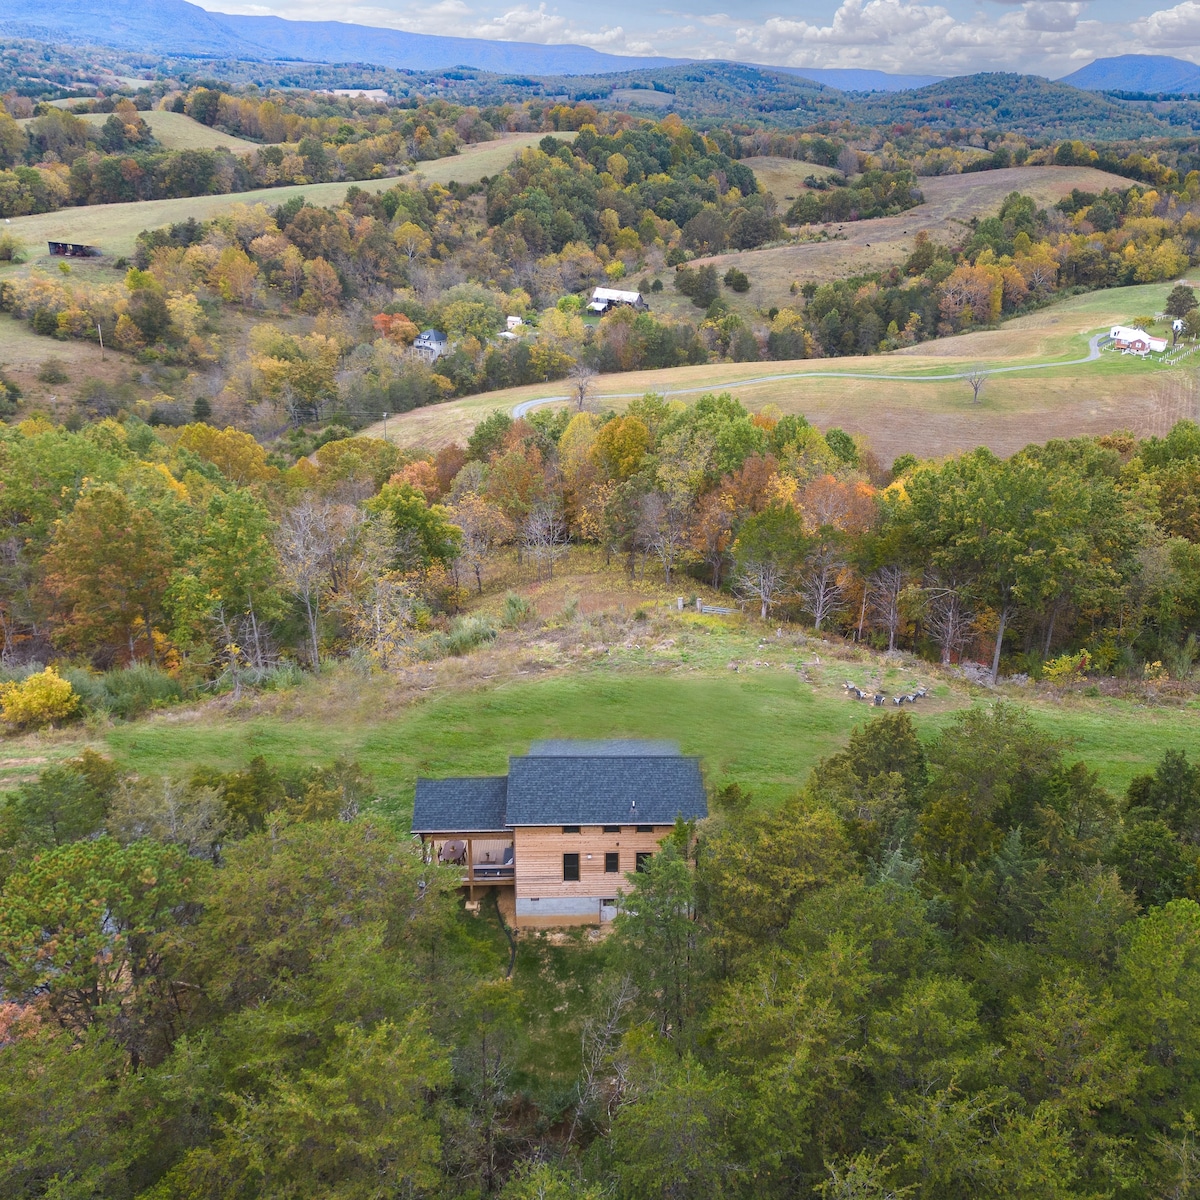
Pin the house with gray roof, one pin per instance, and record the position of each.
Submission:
(564, 826)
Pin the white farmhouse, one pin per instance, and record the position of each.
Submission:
(1130, 340)
(604, 299)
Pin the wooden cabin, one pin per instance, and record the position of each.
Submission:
(564, 826)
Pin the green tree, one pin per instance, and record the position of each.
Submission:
(657, 932)
(108, 569)
(358, 1126)
(673, 1141)
(1181, 301)
(768, 548)
(423, 532)
(83, 927)
(1022, 533)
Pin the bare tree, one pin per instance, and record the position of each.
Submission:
(764, 577)
(544, 536)
(314, 541)
(947, 618)
(821, 582)
(662, 529)
(600, 1039)
(887, 586)
(976, 377)
(583, 379)
(483, 525)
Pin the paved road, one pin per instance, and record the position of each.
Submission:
(527, 406)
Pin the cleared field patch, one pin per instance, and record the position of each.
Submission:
(860, 247)
(764, 725)
(177, 131)
(929, 416)
(114, 227)
(473, 162)
(784, 178)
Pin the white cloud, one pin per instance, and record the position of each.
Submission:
(1050, 37)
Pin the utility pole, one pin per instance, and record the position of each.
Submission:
(100, 335)
(385, 416)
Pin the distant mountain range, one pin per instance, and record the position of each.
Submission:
(1137, 73)
(175, 27)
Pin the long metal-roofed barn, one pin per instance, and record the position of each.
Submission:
(564, 826)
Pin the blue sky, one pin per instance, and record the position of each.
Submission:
(1049, 37)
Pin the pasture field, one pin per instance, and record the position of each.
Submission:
(784, 177)
(598, 674)
(114, 227)
(473, 162)
(929, 417)
(859, 247)
(177, 131)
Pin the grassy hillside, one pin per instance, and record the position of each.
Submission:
(114, 227)
(760, 709)
(860, 247)
(928, 417)
(176, 131)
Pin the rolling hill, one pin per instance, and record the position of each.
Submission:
(1026, 104)
(1155, 73)
(177, 27)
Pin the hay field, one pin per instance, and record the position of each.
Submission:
(929, 417)
(858, 247)
(114, 227)
(784, 177)
(473, 162)
(177, 131)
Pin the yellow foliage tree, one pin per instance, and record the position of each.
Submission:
(37, 700)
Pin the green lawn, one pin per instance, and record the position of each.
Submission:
(764, 728)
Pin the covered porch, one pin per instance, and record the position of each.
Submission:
(486, 859)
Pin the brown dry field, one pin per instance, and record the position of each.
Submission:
(859, 247)
(784, 177)
(930, 417)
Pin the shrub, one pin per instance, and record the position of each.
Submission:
(517, 610)
(12, 249)
(466, 633)
(736, 280)
(53, 371)
(1067, 667)
(38, 700)
(135, 690)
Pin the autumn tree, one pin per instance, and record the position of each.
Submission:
(108, 568)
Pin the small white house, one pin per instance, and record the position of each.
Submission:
(431, 344)
(604, 299)
(1130, 340)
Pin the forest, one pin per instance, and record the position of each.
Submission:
(944, 969)
(194, 558)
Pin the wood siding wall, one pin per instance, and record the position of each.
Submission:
(539, 854)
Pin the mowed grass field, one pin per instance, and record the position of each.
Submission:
(763, 725)
(858, 247)
(114, 227)
(929, 417)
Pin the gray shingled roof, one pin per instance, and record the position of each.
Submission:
(609, 747)
(465, 805)
(604, 789)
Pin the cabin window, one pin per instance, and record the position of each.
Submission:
(612, 862)
(612, 829)
(641, 858)
(645, 829)
(570, 868)
(570, 829)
